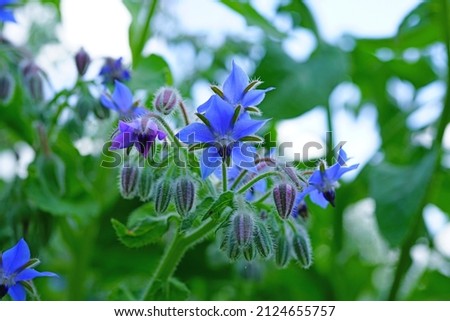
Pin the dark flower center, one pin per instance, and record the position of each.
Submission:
(3, 290)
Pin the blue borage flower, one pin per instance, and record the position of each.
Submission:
(16, 268)
(322, 183)
(5, 13)
(113, 69)
(121, 101)
(238, 90)
(225, 136)
(140, 132)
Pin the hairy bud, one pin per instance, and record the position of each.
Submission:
(284, 196)
(243, 228)
(283, 250)
(6, 87)
(232, 247)
(82, 61)
(250, 251)
(166, 99)
(163, 195)
(33, 80)
(129, 176)
(184, 195)
(263, 240)
(302, 247)
(145, 184)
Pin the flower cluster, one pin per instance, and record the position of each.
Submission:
(16, 271)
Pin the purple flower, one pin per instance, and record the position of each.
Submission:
(322, 183)
(140, 132)
(112, 70)
(16, 268)
(121, 101)
(238, 90)
(223, 135)
(5, 13)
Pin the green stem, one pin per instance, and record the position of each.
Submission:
(184, 112)
(224, 177)
(174, 252)
(166, 127)
(405, 260)
(256, 179)
(144, 33)
(239, 179)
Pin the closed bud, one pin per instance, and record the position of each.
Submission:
(184, 195)
(302, 248)
(145, 184)
(166, 99)
(100, 112)
(263, 240)
(84, 105)
(129, 176)
(243, 228)
(163, 195)
(33, 80)
(284, 196)
(233, 249)
(6, 87)
(283, 250)
(82, 61)
(250, 251)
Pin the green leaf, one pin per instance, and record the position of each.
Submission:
(252, 17)
(398, 192)
(225, 200)
(172, 290)
(153, 73)
(143, 227)
(300, 86)
(301, 15)
(432, 286)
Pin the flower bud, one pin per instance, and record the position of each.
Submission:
(145, 184)
(283, 250)
(233, 249)
(6, 87)
(129, 176)
(82, 61)
(100, 112)
(33, 80)
(166, 99)
(84, 105)
(184, 195)
(163, 195)
(300, 209)
(302, 248)
(263, 240)
(250, 251)
(284, 196)
(243, 228)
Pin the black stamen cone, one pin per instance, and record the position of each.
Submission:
(3, 290)
(330, 196)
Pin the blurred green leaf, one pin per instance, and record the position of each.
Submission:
(300, 86)
(225, 200)
(301, 15)
(398, 192)
(433, 286)
(153, 73)
(252, 17)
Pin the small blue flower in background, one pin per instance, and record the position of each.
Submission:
(223, 135)
(238, 90)
(121, 101)
(140, 132)
(259, 188)
(15, 269)
(5, 13)
(322, 183)
(113, 69)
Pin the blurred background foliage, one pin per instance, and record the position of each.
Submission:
(375, 245)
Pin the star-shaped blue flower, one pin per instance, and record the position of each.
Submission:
(223, 135)
(140, 132)
(121, 101)
(322, 183)
(15, 269)
(113, 69)
(5, 13)
(238, 90)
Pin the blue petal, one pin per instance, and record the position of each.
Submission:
(209, 161)
(30, 274)
(342, 157)
(316, 179)
(343, 170)
(15, 257)
(318, 198)
(123, 97)
(107, 102)
(195, 133)
(235, 84)
(332, 173)
(219, 115)
(205, 106)
(17, 292)
(139, 111)
(7, 16)
(243, 155)
(246, 127)
(7, 2)
(123, 140)
(254, 97)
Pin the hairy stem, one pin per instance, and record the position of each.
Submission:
(184, 112)
(224, 177)
(256, 179)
